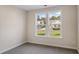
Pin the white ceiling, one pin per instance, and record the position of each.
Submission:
(31, 7)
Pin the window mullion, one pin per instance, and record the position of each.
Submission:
(47, 26)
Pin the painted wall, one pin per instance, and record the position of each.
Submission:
(78, 28)
(12, 27)
(69, 39)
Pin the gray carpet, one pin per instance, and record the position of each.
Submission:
(39, 49)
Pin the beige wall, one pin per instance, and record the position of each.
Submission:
(12, 27)
(69, 39)
(78, 27)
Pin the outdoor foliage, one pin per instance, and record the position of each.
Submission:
(55, 18)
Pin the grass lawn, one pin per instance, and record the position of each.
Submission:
(55, 33)
(41, 32)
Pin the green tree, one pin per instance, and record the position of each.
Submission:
(43, 19)
(55, 18)
(58, 17)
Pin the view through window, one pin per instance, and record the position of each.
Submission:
(49, 24)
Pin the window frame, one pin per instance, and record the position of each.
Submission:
(47, 25)
(36, 24)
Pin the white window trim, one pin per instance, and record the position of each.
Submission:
(47, 29)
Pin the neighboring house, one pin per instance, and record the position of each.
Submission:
(55, 24)
(40, 22)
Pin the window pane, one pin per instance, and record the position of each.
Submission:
(55, 24)
(41, 24)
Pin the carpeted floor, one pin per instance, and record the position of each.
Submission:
(29, 48)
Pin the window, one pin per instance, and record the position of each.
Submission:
(49, 24)
(41, 24)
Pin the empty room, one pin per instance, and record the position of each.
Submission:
(39, 29)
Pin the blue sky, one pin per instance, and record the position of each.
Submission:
(50, 14)
(54, 14)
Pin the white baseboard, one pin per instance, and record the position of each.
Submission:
(67, 47)
(16, 45)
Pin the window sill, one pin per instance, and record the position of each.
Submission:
(49, 37)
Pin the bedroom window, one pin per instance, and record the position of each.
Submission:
(49, 24)
(41, 24)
